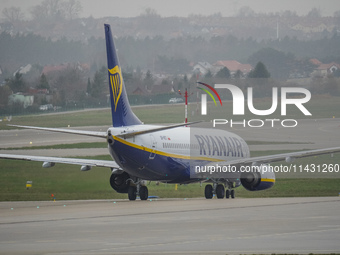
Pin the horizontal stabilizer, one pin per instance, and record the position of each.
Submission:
(64, 130)
(134, 133)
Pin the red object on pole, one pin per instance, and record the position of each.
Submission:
(186, 104)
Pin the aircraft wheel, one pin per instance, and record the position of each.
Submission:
(232, 193)
(143, 193)
(220, 191)
(132, 193)
(208, 191)
(227, 193)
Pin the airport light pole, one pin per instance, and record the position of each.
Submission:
(186, 102)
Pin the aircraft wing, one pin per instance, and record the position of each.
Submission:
(73, 161)
(64, 130)
(288, 157)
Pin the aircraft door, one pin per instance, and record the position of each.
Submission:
(153, 147)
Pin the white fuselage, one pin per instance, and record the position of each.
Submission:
(172, 150)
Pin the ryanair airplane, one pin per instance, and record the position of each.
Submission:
(172, 154)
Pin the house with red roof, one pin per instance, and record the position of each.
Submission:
(233, 66)
(315, 61)
(52, 69)
(324, 69)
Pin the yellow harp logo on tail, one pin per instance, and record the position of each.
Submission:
(116, 83)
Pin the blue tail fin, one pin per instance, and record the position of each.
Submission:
(122, 114)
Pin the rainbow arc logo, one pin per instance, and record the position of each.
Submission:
(204, 97)
(207, 91)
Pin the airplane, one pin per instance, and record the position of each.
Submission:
(167, 154)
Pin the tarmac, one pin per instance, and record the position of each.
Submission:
(172, 226)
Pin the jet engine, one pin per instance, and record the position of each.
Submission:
(261, 178)
(120, 182)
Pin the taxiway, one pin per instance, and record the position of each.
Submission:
(174, 226)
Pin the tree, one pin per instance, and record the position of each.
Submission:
(336, 14)
(260, 71)
(279, 63)
(39, 13)
(148, 81)
(336, 73)
(70, 85)
(208, 75)
(13, 14)
(43, 83)
(150, 20)
(89, 86)
(172, 65)
(186, 81)
(238, 74)
(331, 85)
(17, 84)
(98, 86)
(223, 73)
(288, 14)
(314, 13)
(72, 8)
(49, 10)
(5, 91)
(149, 12)
(246, 11)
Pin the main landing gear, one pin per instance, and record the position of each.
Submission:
(219, 190)
(139, 190)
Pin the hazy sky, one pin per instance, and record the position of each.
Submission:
(131, 8)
